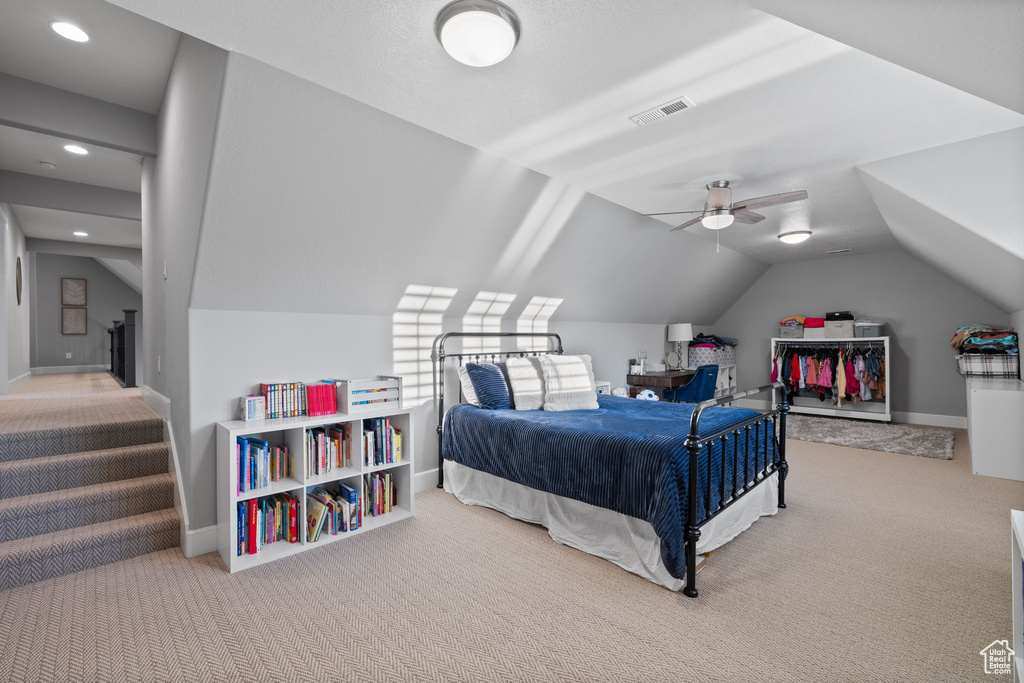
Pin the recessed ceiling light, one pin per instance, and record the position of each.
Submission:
(48, 165)
(477, 32)
(76, 149)
(78, 233)
(69, 31)
(795, 236)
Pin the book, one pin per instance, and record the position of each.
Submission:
(316, 512)
(241, 527)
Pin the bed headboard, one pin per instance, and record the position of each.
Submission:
(439, 355)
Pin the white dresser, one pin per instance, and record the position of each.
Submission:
(995, 426)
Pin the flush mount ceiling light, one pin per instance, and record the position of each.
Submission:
(80, 234)
(69, 31)
(76, 149)
(477, 32)
(795, 236)
(48, 165)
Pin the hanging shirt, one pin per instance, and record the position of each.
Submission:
(812, 372)
(840, 381)
(852, 385)
(802, 382)
(860, 369)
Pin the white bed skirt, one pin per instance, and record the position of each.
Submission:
(627, 541)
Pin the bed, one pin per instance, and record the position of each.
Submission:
(616, 481)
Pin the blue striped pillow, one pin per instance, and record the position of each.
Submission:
(490, 386)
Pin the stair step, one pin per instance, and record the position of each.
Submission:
(37, 558)
(44, 513)
(42, 443)
(39, 475)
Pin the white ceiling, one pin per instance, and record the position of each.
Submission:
(49, 224)
(22, 150)
(126, 61)
(776, 104)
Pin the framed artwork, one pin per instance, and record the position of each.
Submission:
(72, 291)
(74, 321)
(17, 279)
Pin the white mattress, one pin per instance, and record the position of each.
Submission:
(627, 541)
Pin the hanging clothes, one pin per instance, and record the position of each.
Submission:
(840, 380)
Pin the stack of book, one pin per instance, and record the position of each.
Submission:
(284, 399)
(380, 493)
(322, 399)
(332, 513)
(328, 448)
(259, 463)
(382, 442)
(266, 520)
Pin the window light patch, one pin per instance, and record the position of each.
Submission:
(534, 318)
(484, 315)
(414, 324)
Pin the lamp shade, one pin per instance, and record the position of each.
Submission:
(680, 332)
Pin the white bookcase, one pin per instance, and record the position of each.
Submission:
(290, 432)
(1017, 572)
(864, 410)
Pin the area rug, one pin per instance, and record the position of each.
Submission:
(872, 436)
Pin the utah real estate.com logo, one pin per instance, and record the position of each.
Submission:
(998, 657)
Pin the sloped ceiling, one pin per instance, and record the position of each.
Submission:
(958, 208)
(129, 273)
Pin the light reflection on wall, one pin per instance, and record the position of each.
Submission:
(534, 318)
(415, 323)
(484, 315)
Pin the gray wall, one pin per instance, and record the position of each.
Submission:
(922, 307)
(108, 296)
(173, 194)
(14, 318)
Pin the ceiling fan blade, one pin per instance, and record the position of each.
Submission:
(748, 217)
(771, 200)
(672, 213)
(687, 223)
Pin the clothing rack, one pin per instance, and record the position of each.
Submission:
(880, 409)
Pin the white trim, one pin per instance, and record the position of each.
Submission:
(927, 419)
(424, 481)
(62, 369)
(18, 382)
(157, 401)
(200, 541)
(950, 421)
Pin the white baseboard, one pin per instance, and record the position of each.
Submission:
(63, 369)
(18, 382)
(949, 421)
(199, 541)
(157, 401)
(424, 481)
(928, 419)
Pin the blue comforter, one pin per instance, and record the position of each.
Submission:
(628, 456)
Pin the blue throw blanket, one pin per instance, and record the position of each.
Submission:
(628, 456)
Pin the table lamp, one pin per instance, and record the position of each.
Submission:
(679, 333)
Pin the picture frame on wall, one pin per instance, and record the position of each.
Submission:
(73, 291)
(74, 321)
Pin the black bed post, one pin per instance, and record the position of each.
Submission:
(783, 465)
(438, 364)
(693, 446)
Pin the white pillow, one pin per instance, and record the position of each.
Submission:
(468, 393)
(568, 383)
(527, 382)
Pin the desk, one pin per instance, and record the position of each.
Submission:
(670, 379)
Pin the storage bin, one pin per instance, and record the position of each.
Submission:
(791, 331)
(867, 328)
(835, 329)
(996, 365)
(366, 395)
(814, 333)
(700, 355)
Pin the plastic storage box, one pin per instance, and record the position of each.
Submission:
(867, 328)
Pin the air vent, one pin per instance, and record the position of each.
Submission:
(661, 111)
(838, 251)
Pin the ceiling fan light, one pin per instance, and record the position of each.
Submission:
(795, 236)
(477, 32)
(716, 219)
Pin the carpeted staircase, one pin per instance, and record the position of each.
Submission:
(77, 497)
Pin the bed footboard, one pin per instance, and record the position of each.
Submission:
(768, 429)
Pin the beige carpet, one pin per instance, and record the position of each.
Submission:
(884, 568)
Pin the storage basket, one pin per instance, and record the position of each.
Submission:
(366, 395)
(814, 333)
(835, 329)
(700, 355)
(867, 328)
(996, 365)
(791, 331)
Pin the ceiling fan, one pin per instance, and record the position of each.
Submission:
(719, 210)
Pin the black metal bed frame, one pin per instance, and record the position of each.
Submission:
(775, 420)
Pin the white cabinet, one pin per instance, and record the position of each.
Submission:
(726, 383)
(1017, 543)
(995, 426)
